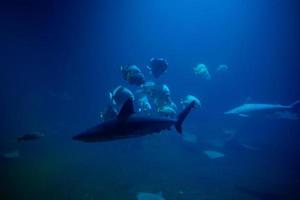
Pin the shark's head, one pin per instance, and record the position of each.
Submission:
(101, 132)
(85, 137)
(92, 137)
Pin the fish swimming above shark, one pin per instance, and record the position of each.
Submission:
(276, 111)
(129, 125)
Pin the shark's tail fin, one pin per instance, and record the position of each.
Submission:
(181, 117)
(295, 106)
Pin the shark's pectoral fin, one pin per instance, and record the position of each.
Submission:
(243, 115)
(126, 110)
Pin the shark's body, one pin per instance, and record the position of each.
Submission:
(267, 110)
(127, 125)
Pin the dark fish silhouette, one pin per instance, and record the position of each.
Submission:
(30, 136)
(127, 125)
(157, 66)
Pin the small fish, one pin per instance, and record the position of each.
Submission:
(119, 95)
(249, 147)
(188, 99)
(188, 137)
(157, 67)
(144, 104)
(149, 196)
(202, 71)
(11, 155)
(133, 75)
(222, 68)
(213, 154)
(30, 136)
(167, 111)
(110, 111)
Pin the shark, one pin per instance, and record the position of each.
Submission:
(276, 111)
(128, 125)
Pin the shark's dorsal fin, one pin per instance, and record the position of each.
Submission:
(126, 110)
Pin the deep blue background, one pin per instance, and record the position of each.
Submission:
(59, 59)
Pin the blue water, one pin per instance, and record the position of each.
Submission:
(59, 60)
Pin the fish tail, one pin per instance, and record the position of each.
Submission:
(181, 117)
